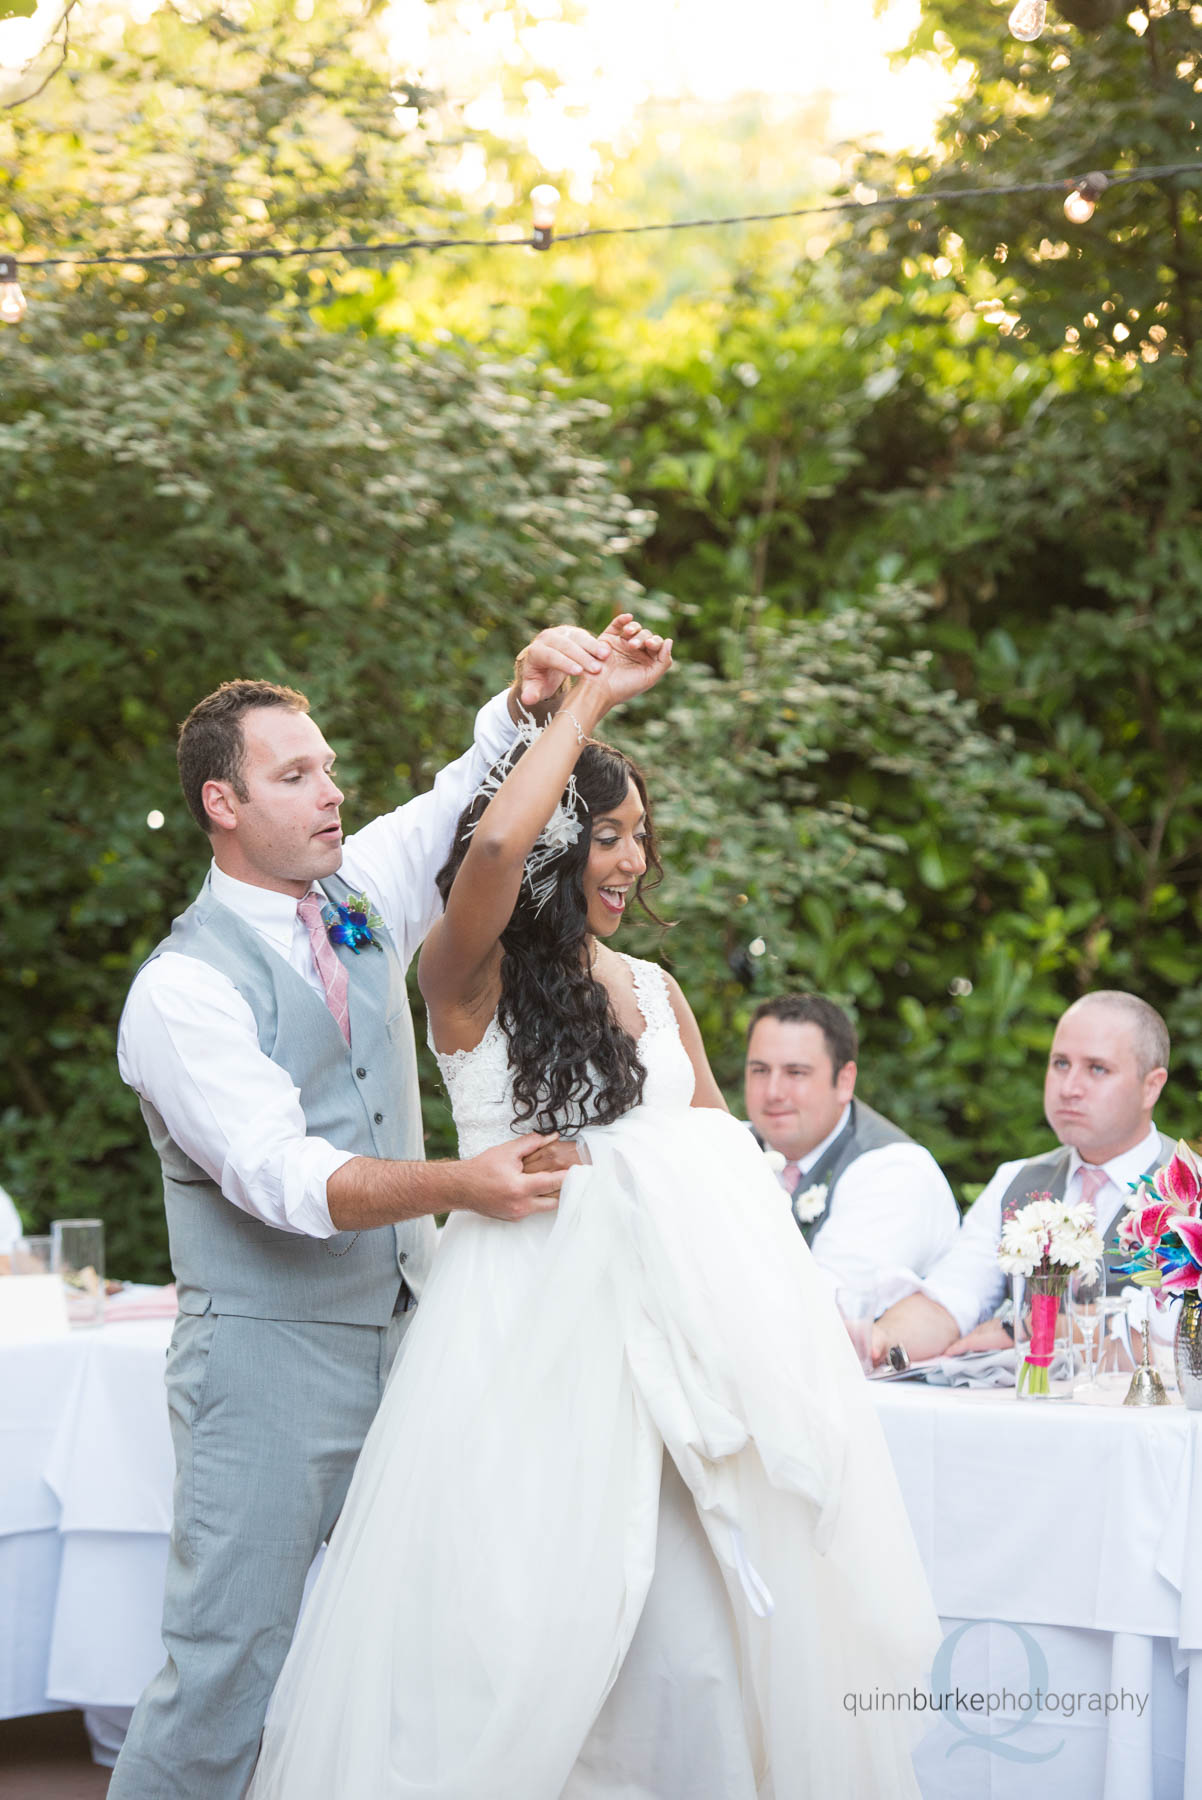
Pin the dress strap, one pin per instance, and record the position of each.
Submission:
(651, 993)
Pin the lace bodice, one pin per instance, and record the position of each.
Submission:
(480, 1084)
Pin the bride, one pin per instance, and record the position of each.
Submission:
(625, 1525)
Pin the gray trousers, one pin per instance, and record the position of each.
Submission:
(267, 1418)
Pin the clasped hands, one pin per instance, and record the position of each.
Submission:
(631, 658)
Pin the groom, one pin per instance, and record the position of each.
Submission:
(270, 1043)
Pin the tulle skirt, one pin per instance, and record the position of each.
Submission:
(625, 1525)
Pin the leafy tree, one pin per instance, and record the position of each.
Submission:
(1001, 411)
(191, 498)
(202, 480)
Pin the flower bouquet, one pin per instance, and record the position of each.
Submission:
(1160, 1241)
(1044, 1243)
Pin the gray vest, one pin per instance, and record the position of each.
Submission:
(1049, 1175)
(364, 1100)
(865, 1130)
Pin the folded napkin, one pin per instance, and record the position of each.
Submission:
(986, 1369)
(138, 1301)
(979, 1369)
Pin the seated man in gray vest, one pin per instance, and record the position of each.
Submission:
(873, 1205)
(270, 1043)
(1107, 1066)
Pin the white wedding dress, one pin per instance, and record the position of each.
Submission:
(525, 1598)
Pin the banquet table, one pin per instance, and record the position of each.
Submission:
(1056, 1537)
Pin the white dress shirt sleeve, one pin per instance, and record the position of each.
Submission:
(395, 859)
(188, 1044)
(967, 1280)
(893, 1216)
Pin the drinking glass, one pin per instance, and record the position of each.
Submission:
(858, 1312)
(77, 1257)
(1116, 1364)
(1087, 1292)
(31, 1256)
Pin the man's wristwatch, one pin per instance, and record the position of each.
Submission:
(898, 1358)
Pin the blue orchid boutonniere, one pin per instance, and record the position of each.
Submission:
(354, 923)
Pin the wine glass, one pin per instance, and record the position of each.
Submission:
(1087, 1290)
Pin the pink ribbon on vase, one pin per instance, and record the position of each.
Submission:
(1044, 1308)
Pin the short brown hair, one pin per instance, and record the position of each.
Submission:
(211, 746)
(842, 1044)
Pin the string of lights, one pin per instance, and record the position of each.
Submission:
(1083, 193)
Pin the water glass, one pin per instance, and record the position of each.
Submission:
(1117, 1361)
(1087, 1294)
(30, 1256)
(858, 1312)
(77, 1257)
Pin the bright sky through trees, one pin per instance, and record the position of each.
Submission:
(608, 57)
(616, 54)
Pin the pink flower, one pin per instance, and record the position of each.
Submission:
(1148, 1225)
(1189, 1230)
(1179, 1181)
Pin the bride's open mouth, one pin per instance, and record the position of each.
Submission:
(614, 898)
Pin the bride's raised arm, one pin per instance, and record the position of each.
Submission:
(461, 954)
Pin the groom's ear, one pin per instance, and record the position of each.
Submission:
(217, 798)
(845, 1082)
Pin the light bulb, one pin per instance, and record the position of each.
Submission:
(12, 300)
(544, 203)
(1079, 206)
(1028, 19)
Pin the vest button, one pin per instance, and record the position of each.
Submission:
(361, 1073)
(378, 1117)
(403, 1258)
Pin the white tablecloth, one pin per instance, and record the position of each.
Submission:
(1058, 1536)
(1071, 1522)
(85, 1506)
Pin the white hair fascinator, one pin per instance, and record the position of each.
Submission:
(561, 831)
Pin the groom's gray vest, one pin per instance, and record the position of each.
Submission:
(1049, 1175)
(364, 1100)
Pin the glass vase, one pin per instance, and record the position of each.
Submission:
(1043, 1348)
(1187, 1351)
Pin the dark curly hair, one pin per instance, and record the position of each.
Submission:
(572, 1062)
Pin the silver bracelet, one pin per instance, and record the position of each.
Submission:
(569, 714)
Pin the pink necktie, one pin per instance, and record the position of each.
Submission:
(1093, 1180)
(333, 975)
(788, 1178)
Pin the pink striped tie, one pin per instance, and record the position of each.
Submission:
(333, 975)
(1093, 1180)
(789, 1177)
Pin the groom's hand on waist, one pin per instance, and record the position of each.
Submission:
(555, 1154)
(501, 1184)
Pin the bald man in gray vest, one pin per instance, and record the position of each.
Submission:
(270, 1043)
(1106, 1069)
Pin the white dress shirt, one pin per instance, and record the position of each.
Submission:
(892, 1217)
(967, 1280)
(188, 1042)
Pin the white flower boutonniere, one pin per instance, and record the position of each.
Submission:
(810, 1204)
